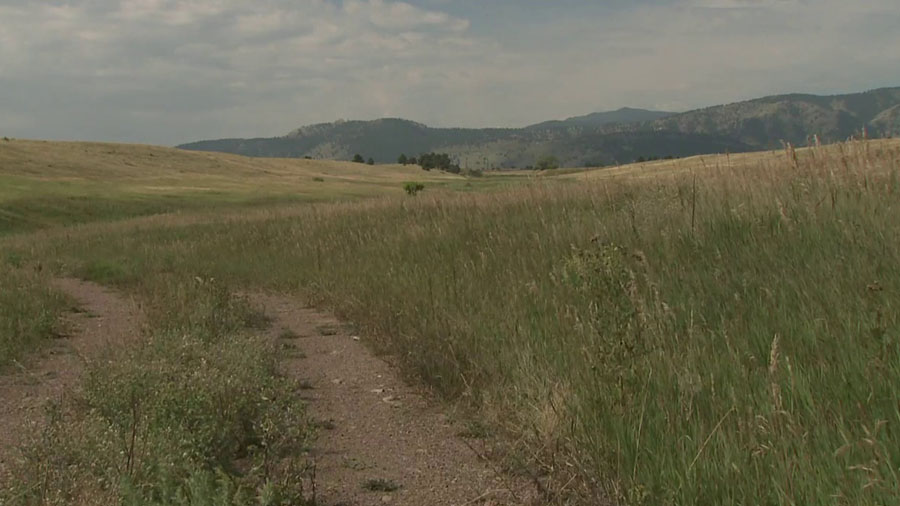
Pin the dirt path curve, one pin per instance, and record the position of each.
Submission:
(105, 319)
(377, 432)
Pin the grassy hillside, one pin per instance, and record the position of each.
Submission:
(723, 332)
(44, 184)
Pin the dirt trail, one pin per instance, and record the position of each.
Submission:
(105, 319)
(375, 427)
(381, 441)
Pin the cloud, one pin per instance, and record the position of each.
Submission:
(169, 71)
(138, 58)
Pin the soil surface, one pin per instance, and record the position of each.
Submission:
(103, 319)
(380, 441)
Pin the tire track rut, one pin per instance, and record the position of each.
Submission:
(376, 432)
(105, 319)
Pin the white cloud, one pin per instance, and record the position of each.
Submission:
(177, 70)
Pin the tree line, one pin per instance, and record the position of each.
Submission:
(429, 161)
(358, 158)
(443, 162)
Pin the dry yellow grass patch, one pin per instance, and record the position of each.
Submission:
(155, 169)
(731, 162)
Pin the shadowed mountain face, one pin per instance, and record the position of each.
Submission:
(623, 116)
(596, 139)
(766, 122)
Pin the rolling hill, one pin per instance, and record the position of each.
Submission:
(605, 138)
(45, 184)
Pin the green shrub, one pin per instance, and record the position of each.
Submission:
(413, 188)
(547, 163)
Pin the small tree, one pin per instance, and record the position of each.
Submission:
(548, 162)
(357, 158)
(412, 161)
(403, 160)
(371, 161)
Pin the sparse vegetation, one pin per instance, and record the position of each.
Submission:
(196, 411)
(288, 334)
(721, 333)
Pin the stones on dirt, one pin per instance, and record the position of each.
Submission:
(392, 400)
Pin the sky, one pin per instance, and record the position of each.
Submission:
(174, 71)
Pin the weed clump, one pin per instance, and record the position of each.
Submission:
(381, 485)
(29, 310)
(197, 410)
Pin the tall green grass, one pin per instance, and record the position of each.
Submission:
(29, 310)
(718, 336)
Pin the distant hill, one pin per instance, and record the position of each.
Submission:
(385, 139)
(766, 122)
(595, 139)
(887, 121)
(623, 116)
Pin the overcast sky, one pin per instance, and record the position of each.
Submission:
(172, 71)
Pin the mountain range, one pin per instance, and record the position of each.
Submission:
(596, 139)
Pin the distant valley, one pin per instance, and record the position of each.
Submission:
(604, 138)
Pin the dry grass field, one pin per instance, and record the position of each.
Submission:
(712, 330)
(44, 184)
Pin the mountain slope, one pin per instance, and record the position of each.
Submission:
(623, 116)
(765, 122)
(382, 139)
(596, 139)
(887, 121)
